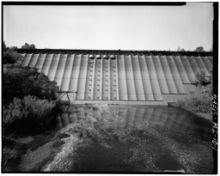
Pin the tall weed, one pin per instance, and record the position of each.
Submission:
(28, 115)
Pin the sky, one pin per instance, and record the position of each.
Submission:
(110, 27)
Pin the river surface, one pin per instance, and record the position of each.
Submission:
(125, 139)
(137, 139)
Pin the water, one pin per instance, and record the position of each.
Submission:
(135, 139)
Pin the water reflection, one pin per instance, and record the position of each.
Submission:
(137, 139)
(166, 120)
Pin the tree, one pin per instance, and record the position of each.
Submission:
(180, 49)
(27, 46)
(199, 49)
(22, 81)
(10, 55)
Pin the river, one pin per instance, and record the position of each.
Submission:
(124, 139)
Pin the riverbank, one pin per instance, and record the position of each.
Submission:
(207, 116)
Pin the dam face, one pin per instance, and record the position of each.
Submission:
(121, 77)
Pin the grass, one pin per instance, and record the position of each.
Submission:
(199, 101)
(29, 116)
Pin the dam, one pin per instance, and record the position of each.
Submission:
(120, 77)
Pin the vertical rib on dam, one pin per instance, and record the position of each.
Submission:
(130, 77)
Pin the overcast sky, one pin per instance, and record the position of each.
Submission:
(110, 27)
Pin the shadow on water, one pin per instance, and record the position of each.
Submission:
(137, 139)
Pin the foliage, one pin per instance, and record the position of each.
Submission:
(28, 115)
(28, 46)
(20, 82)
(10, 56)
(180, 49)
(202, 79)
(199, 49)
(199, 101)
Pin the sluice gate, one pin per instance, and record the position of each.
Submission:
(121, 77)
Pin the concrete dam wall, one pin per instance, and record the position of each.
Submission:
(121, 77)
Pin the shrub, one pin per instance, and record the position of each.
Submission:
(202, 79)
(10, 56)
(200, 104)
(199, 101)
(19, 82)
(28, 115)
(28, 46)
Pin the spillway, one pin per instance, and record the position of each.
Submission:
(118, 77)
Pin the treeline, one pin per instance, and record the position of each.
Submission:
(197, 49)
(10, 56)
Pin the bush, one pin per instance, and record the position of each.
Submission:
(28, 115)
(10, 56)
(200, 104)
(28, 46)
(19, 82)
(199, 101)
(202, 79)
